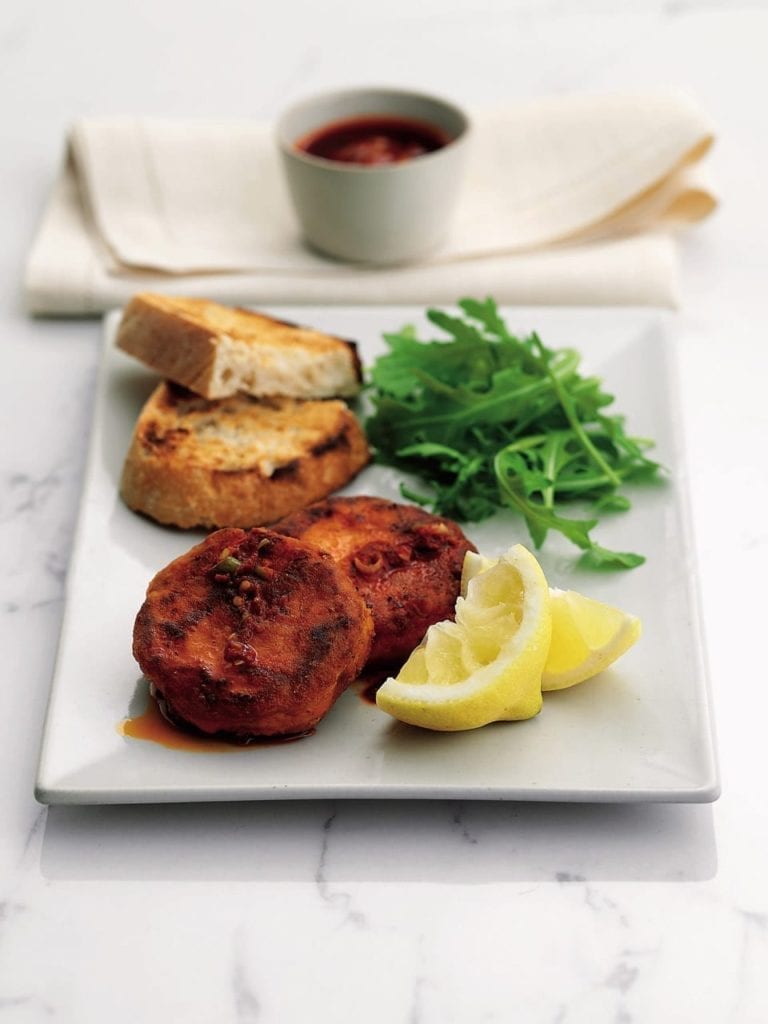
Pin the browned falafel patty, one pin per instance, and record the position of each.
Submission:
(405, 562)
(251, 634)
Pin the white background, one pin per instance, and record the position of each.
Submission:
(427, 913)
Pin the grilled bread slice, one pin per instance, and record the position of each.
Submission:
(217, 351)
(237, 461)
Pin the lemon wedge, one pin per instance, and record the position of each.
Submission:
(487, 665)
(587, 635)
(474, 563)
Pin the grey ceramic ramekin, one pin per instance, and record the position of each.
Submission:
(379, 214)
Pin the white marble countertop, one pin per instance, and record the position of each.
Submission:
(420, 913)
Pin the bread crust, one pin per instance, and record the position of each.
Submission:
(217, 350)
(238, 461)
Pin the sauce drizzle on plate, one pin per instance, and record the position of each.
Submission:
(152, 725)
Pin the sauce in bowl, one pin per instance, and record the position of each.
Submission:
(373, 139)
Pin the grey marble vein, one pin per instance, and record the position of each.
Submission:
(458, 820)
(333, 896)
(622, 977)
(415, 1010)
(246, 999)
(25, 493)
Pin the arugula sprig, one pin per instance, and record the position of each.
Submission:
(488, 419)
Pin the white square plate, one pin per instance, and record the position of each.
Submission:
(641, 731)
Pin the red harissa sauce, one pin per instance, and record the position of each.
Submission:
(373, 140)
(152, 725)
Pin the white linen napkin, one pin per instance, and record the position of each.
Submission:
(570, 200)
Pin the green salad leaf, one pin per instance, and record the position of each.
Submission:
(487, 419)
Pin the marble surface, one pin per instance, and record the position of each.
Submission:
(420, 913)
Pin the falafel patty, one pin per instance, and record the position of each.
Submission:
(251, 634)
(404, 561)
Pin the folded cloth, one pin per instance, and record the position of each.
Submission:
(570, 200)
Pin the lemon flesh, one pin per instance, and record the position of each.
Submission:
(474, 563)
(487, 665)
(587, 637)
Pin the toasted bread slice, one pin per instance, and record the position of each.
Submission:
(217, 351)
(237, 461)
